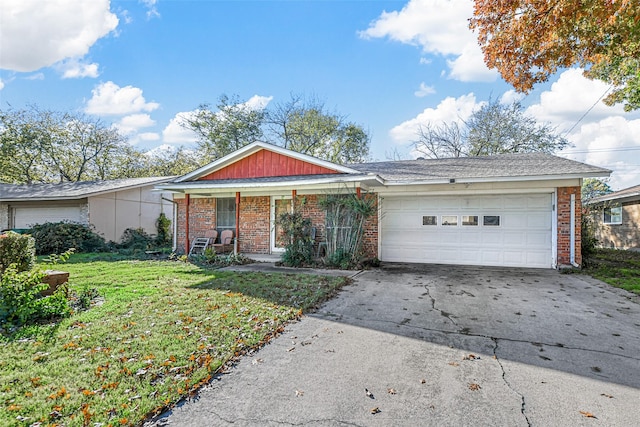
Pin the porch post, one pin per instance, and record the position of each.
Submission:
(187, 197)
(358, 192)
(294, 194)
(235, 246)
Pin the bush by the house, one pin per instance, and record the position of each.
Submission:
(17, 249)
(296, 237)
(163, 225)
(136, 239)
(21, 301)
(58, 237)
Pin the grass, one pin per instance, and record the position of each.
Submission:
(164, 329)
(616, 267)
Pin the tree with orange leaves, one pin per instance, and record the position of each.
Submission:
(529, 40)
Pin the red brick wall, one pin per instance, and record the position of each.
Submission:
(370, 244)
(255, 227)
(564, 225)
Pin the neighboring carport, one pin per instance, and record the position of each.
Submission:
(441, 345)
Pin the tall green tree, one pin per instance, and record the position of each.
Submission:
(494, 128)
(229, 126)
(594, 187)
(527, 41)
(304, 124)
(45, 146)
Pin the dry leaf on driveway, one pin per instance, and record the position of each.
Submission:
(588, 414)
(474, 386)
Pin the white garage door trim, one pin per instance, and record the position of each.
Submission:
(412, 229)
(25, 217)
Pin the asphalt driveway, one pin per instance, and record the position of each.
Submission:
(442, 345)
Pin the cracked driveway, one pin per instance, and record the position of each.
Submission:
(442, 345)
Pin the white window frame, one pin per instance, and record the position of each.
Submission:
(613, 219)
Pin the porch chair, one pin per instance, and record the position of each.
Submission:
(199, 244)
(226, 242)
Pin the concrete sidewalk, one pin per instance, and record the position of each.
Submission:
(441, 345)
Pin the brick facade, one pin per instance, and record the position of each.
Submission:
(255, 224)
(564, 225)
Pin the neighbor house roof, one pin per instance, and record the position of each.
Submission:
(514, 166)
(630, 193)
(72, 190)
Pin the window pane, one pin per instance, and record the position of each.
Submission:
(430, 220)
(449, 220)
(469, 219)
(491, 220)
(226, 213)
(613, 215)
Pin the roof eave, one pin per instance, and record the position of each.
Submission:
(208, 185)
(458, 180)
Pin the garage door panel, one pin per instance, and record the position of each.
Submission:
(523, 237)
(25, 217)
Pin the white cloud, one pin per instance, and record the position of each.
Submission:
(110, 99)
(570, 97)
(470, 66)
(511, 96)
(424, 90)
(129, 125)
(38, 33)
(439, 27)
(425, 61)
(601, 135)
(149, 136)
(152, 10)
(1, 84)
(36, 76)
(76, 69)
(257, 102)
(449, 110)
(174, 133)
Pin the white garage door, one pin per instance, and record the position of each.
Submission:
(25, 217)
(495, 230)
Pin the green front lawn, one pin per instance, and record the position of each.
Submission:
(161, 329)
(615, 267)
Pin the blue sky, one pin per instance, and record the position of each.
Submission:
(390, 66)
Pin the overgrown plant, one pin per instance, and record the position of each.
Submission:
(346, 215)
(296, 238)
(57, 237)
(21, 301)
(17, 249)
(589, 242)
(163, 226)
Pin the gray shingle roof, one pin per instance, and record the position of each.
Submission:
(626, 193)
(498, 166)
(72, 190)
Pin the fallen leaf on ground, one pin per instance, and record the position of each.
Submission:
(368, 393)
(291, 349)
(471, 357)
(256, 361)
(299, 393)
(606, 395)
(375, 410)
(423, 381)
(391, 390)
(588, 414)
(454, 364)
(474, 386)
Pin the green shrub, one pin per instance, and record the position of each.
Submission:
(589, 242)
(21, 301)
(296, 238)
(135, 239)
(163, 226)
(58, 237)
(18, 249)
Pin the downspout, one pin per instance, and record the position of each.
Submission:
(235, 241)
(174, 221)
(572, 238)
